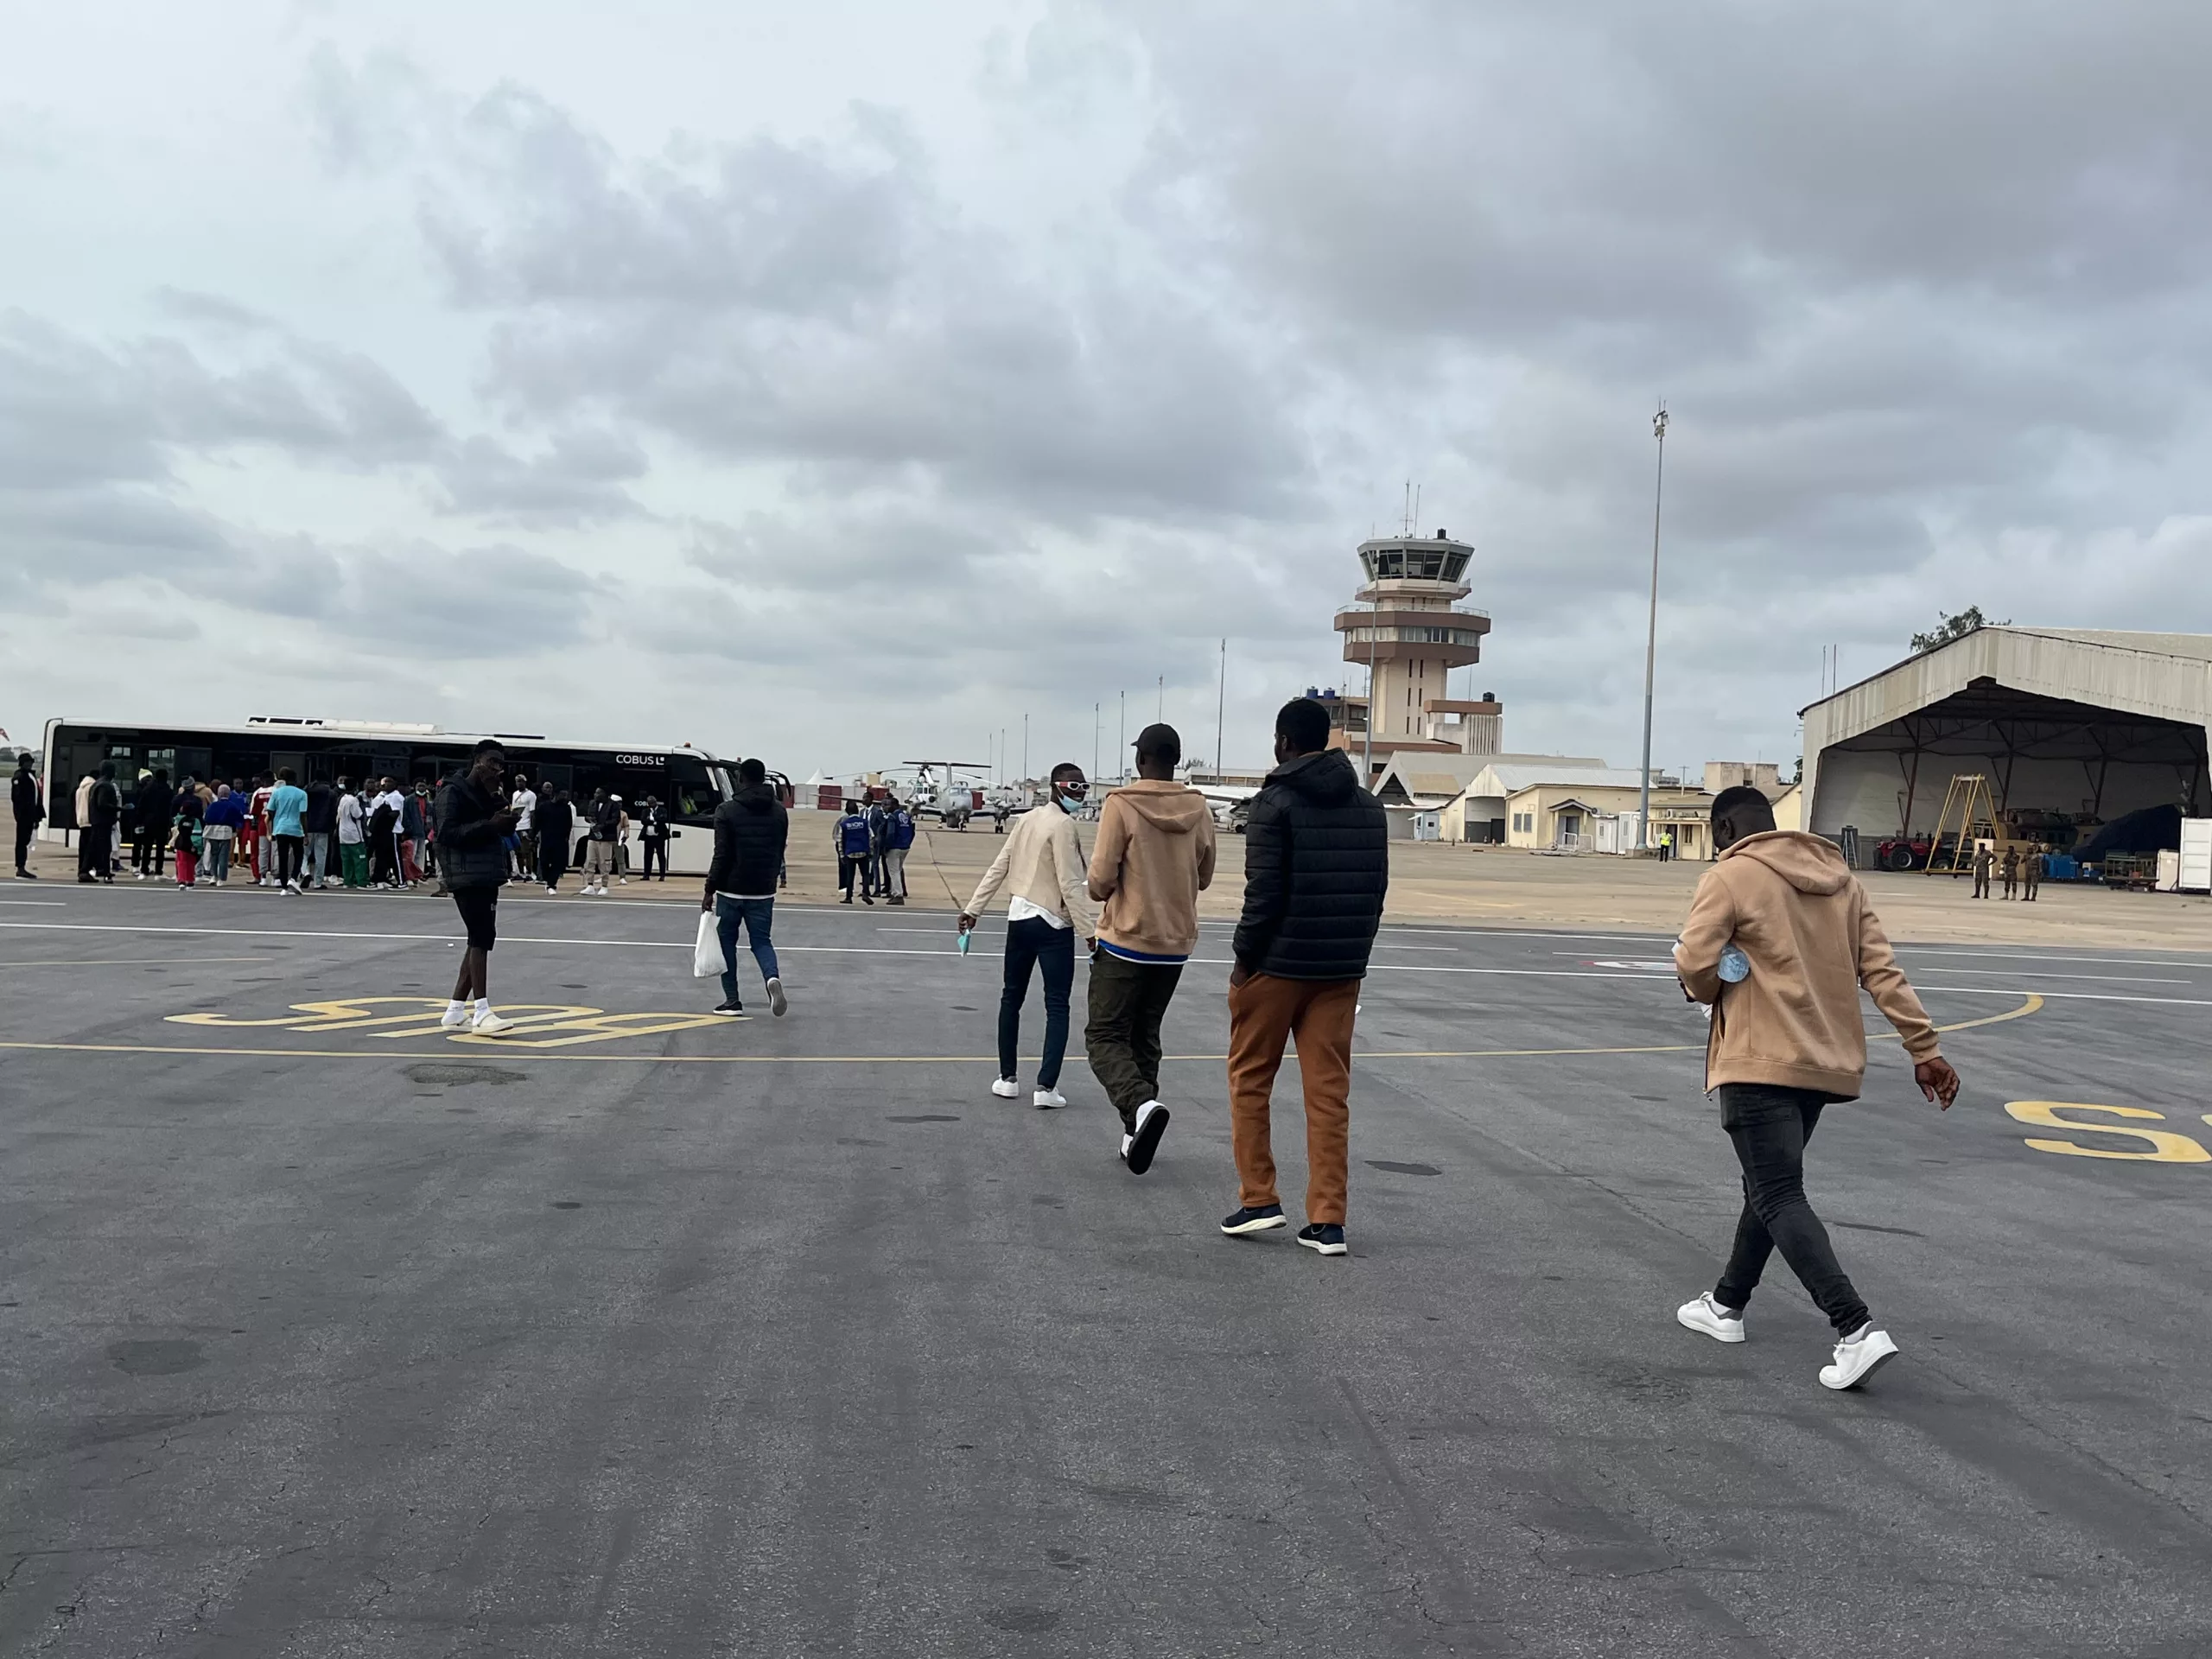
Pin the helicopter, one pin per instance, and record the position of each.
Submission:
(936, 793)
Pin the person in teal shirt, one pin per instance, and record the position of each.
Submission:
(288, 805)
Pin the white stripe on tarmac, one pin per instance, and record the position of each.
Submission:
(2102, 979)
(2043, 956)
(1645, 977)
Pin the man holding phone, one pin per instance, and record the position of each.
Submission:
(471, 843)
(1788, 1040)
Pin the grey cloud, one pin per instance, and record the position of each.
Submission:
(577, 480)
(828, 306)
(212, 310)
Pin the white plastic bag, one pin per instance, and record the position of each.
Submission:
(707, 955)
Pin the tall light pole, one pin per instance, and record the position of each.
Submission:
(1220, 710)
(1094, 740)
(1651, 632)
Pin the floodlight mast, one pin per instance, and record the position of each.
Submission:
(1651, 632)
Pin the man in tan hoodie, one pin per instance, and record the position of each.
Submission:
(1153, 856)
(1788, 1039)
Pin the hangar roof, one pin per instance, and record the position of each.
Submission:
(2087, 676)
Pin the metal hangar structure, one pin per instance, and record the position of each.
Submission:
(2084, 722)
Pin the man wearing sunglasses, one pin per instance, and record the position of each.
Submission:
(1048, 904)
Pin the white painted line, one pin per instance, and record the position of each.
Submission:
(2045, 956)
(2079, 996)
(1646, 978)
(2100, 979)
(36, 904)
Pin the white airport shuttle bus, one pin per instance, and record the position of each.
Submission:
(689, 781)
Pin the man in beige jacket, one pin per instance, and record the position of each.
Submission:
(1041, 867)
(1153, 856)
(1788, 1039)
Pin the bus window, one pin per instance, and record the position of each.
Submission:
(694, 791)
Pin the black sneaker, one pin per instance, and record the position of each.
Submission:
(1328, 1238)
(1266, 1218)
(1152, 1123)
(732, 1009)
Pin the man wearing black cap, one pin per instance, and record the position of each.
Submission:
(23, 795)
(1153, 856)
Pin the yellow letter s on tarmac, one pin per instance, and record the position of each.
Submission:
(2166, 1148)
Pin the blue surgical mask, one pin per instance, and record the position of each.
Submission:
(1069, 802)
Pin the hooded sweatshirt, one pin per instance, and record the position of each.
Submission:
(1153, 856)
(1792, 905)
(1316, 866)
(751, 829)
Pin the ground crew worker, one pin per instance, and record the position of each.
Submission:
(1983, 860)
(2031, 873)
(2010, 872)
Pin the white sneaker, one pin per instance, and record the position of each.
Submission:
(1858, 1358)
(622, 880)
(1006, 1088)
(1045, 1100)
(454, 1018)
(1704, 1315)
(491, 1024)
(140, 876)
(777, 1002)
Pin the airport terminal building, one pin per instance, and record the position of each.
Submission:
(2084, 722)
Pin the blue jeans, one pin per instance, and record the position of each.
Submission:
(1033, 943)
(755, 916)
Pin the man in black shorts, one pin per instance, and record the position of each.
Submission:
(471, 843)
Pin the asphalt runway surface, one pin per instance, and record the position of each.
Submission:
(326, 1333)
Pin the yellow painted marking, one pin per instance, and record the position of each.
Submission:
(2166, 1148)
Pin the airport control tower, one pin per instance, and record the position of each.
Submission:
(1409, 631)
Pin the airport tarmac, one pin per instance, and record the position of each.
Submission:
(643, 1334)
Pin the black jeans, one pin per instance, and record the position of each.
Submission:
(552, 859)
(655, 849)
(1033, 943)
(291, 856)
(96, 852)
(24, 831)
(1771, 1125)
(148, 843)
(1127, 1000)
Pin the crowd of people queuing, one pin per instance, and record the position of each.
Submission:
(379, 835)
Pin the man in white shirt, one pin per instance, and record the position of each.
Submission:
(525, 801)
(1042, 865)
(352, 839)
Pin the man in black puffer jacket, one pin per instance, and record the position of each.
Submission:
(473, 823)
(750, 833)
(1316, 866)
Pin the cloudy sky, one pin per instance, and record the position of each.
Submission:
(839, 382)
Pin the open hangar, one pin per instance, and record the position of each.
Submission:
(2085, 722)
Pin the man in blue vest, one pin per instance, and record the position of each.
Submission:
(853, 846)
